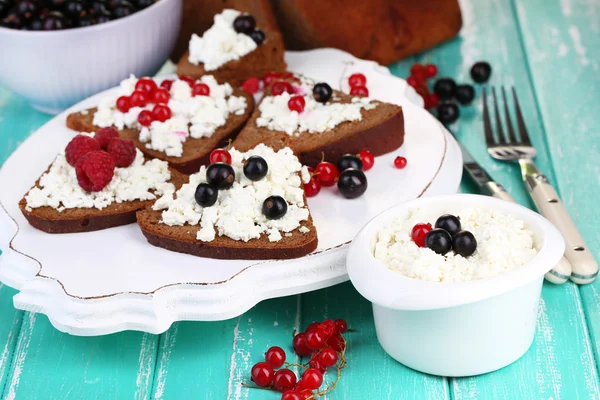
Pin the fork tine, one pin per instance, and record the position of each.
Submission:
(520, 121)
(500, 131)
(512, 138)
(487, 126)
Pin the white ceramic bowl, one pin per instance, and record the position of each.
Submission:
(462, 328)
(54, 70)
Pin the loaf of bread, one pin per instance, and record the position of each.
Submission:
(380, 30)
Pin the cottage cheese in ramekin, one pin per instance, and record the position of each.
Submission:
(503, 243)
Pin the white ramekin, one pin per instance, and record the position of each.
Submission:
(462, 328)
(54, 70)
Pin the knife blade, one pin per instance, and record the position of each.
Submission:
(562, 271)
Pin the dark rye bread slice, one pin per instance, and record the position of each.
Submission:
(268, 56)
(380, 131)
(182, 239)
(76, 220)
(196, 152)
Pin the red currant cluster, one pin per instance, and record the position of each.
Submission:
(148, 92)
(419, 74)
(326, 346)
(358, 85)
(328, 174)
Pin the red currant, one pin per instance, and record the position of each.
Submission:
(161, 113)
(341, 325)
(291, 395)
(432, 100)
(123, 104)
(416, 68)
(430, 70)
(299, 344)
(139, 98)
(200, 89)
(315, 339)
(297, 103)
(160, 96)
(275, 357)
(145, 118)
(312, 327)
(328, 327)
(220, 155)
(281, 86)
(327, 173)
(262, 374)
(188, 79)
(166, 84)
(359, 91)
(328, 357)
(356, 80)
(337, 342)
(316, 363)
(304, 394)
(412, 81)
(312, 379)
(270, 77)
(367, 159)
(400, 162)
(284, 380)
(423, 92)
(419, 232)
(251, 85)
(312, 188)
(419, 76)
(145, 85)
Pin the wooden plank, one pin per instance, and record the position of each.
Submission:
(562, 39)
(68, 367)
(9, 331)
(371, 373)
(560, 364)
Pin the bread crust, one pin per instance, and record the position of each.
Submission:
(196, 152)
(267, 57)
(77, 220)
(380, 131)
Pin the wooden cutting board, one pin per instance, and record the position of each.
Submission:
(380, 30)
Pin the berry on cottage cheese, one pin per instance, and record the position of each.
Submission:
(58, 188)
(184, 116)
(277, 112)
(503, 243)
(220, 44)
(238, 210)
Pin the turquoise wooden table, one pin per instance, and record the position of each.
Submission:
(549, 50)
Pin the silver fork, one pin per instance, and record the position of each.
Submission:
(510, 148)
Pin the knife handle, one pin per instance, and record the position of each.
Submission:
(562, 271)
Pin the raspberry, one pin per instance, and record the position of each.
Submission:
(79, 146)
(104, 135)
(95, 171)
(123, 151)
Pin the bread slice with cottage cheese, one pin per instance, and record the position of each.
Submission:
(230, 56)
(345, 124)
(55, 204)
(208, 126)
(233, 227)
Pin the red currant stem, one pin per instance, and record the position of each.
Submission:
(255, 387)
(229, 142)
(287, 364)
(322, 156)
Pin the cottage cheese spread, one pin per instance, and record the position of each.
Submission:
(195, 116)
(221, 43)
(503, 243)
(237, 213)
(316, 117)
(58, 188)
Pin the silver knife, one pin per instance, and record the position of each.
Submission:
(562, 271)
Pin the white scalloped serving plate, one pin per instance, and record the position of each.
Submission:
(108, 281)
